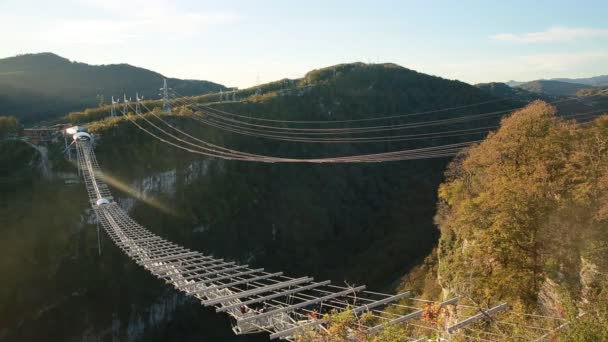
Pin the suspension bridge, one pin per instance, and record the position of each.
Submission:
(255, 299)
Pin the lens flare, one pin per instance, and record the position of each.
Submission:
(132, 192)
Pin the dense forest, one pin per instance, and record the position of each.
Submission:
(529, 203)
(503, 90)
(36, 87)
(523, 220)
(9, 125)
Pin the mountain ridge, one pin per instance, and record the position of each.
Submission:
(45, 86)
(552, 87)
(593, 81)
(500, 89)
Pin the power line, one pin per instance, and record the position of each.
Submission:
(357, 120)
(353, 130)
(420, 153)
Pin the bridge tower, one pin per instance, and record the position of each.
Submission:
(138, 104)
(113, 110)
(165, 96)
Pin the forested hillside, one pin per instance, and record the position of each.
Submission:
(536, 188)
(45, 86)
(595, 81)
(503, 90)
(524, 219)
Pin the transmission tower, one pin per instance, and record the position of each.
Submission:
(165, 96)
(125, 107)
(258, 90)
(113, 110)
(138, 104)
(234, 94)
(221, 96)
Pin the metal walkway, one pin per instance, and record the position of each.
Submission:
(257, 300)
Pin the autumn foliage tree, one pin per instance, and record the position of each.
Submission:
(9, 125)
(526, 205)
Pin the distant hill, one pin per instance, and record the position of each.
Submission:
(45, 86)
(499, 89)
(356, 91)
(553, 88)
(513, 83)
(596, 81)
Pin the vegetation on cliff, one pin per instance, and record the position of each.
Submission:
(525, 213)
(524, 220)
(9, 125)
(18, 166)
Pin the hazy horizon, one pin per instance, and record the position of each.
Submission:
(317, 67)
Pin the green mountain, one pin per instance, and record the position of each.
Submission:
(529, 203)
(552, 88)
(45, 86)
(596, 81)
(513, 83)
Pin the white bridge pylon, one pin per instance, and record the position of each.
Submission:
(257, 300)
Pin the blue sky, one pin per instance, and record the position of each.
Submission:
(232, 42)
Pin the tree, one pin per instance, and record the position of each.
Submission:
(9, 125)
(525, 205)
